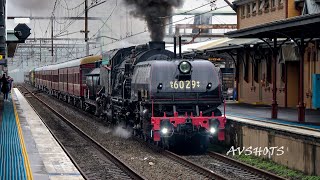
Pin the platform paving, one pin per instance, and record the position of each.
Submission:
(37, 155)
(288, 116)
(14, 162)
(48, 160)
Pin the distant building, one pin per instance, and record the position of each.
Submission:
(255, 12)
(254, 70)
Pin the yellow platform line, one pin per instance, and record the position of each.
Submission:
(23, 147)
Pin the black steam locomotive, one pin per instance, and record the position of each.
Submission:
(162, 97)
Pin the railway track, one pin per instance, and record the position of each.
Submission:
(231, 169)
(215, 166)
(208, 173)
(120, 170)
(181, 160)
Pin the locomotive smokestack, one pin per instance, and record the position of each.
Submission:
(157, 45)
(156, 13)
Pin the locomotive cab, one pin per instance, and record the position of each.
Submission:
(93, 83)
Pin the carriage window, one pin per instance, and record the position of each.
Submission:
(89, 80)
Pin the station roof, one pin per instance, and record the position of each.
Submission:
(234, 44)
(302, 26)
(199, 46)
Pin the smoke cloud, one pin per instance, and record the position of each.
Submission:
(156, 13)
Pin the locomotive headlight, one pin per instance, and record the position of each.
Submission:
(213, 130)
(164, 130)
(214, 126)
(185, 67)
(160, 86)
(209, 86)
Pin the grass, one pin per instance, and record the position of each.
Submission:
(275, 168)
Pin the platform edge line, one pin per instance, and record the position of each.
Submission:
(23, 147)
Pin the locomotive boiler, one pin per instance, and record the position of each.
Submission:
(162, 97)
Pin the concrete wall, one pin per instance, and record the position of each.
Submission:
(299, 153)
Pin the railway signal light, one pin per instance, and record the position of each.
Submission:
(22, 32)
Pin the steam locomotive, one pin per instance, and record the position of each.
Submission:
(163, 98)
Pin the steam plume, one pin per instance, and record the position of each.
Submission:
(156, 13)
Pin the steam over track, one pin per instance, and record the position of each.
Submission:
(147, 163)
(100, 152)
(92, 159)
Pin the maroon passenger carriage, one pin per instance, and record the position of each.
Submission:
(67, 81)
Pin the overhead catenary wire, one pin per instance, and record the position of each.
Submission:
(62, 31)
(142, 32)
(115, 6)
(127, 34)
(80, 14)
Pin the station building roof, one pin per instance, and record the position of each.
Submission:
(305, 26)
(234, 44)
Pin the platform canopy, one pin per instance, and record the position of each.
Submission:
(306, 26)
(298, 29)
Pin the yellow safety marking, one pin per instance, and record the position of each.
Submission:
(23, 147)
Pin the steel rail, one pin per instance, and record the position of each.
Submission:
(122, 165)
(25, 94)
(206, 172)
(181, 160)
(259, 172)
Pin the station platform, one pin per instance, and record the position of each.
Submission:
(27, 148)
(287, 118)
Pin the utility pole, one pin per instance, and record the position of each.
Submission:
(40, 50)
(56, 56)
(52, 37)
(86, 26)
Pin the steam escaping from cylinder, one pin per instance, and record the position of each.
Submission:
(156, 13)
(121, 132)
